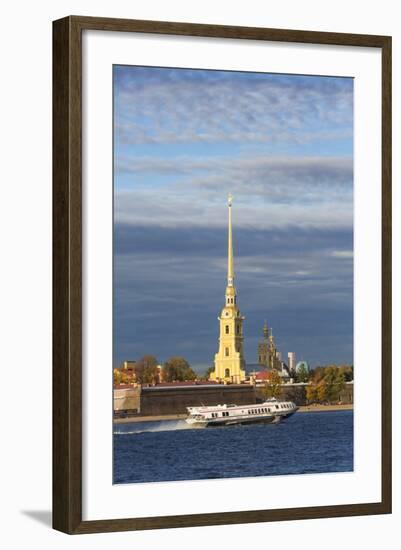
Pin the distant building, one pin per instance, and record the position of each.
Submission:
(263, 376)
(268, 356)
(291, 361)
(128, 365)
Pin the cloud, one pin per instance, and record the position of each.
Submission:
(269, 192)
(346, 254)
(162, 105)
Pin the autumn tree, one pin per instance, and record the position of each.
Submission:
(177, 369)
(335, 382)
(327, 383)
(272, 387)
(321, 391)
(347, 371)
(146, 370)
(116, 377)
(311, 393)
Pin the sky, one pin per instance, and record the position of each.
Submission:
(283, 146)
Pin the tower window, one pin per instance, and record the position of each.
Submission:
(227, 373)
(237, 329)
(227, 329)
(227, 352)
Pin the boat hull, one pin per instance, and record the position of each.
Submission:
(271, 419)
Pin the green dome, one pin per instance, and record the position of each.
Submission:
(301, 364)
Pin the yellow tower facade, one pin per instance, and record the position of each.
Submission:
(229, 362)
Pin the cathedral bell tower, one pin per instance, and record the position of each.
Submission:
(229, 362)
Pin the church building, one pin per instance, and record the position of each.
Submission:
(229, 362)
(268, 355)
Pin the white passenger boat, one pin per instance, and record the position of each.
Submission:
(271, 411)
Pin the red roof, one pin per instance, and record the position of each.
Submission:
(262, 375)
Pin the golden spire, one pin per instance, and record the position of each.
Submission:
(230, 270)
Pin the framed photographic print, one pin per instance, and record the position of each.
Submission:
(222, 274)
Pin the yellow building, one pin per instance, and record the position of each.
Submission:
(229, 362)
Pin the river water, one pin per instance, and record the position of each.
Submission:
(313, 442)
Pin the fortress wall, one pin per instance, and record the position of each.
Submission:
(127, 401)
(157, 400)
(174, 400)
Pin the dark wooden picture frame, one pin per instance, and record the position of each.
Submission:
(67, 274)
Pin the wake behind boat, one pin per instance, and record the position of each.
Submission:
(271, 411)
